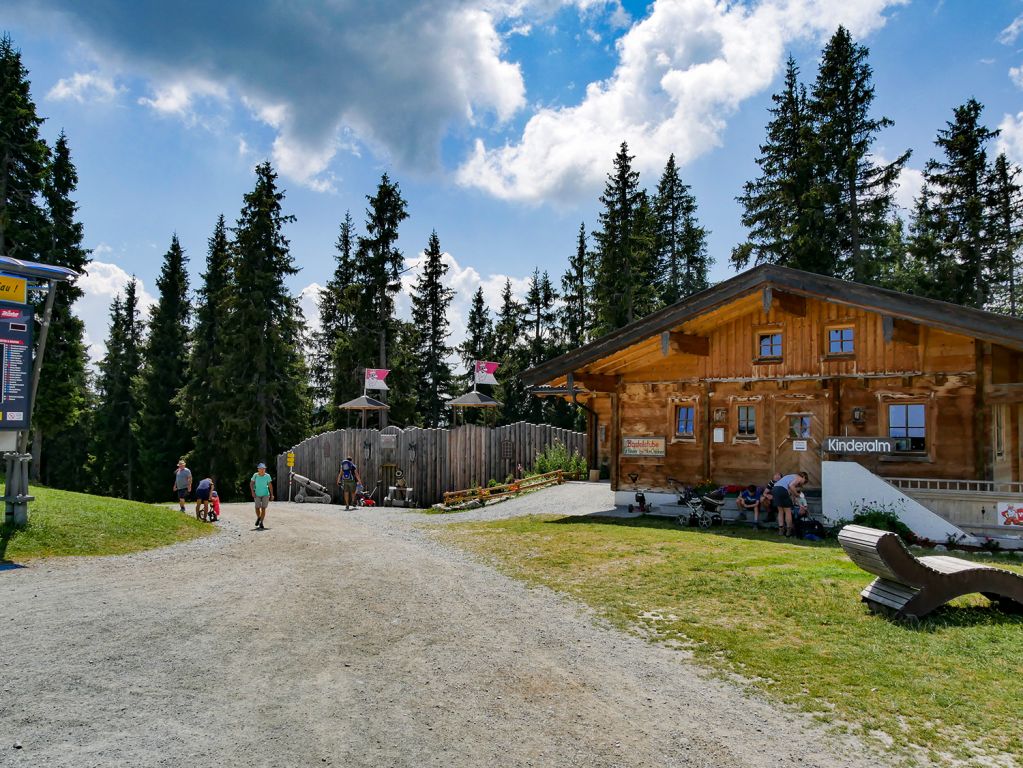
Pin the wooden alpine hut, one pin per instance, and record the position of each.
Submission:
(752, 375)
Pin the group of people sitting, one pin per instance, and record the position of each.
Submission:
(783, 500)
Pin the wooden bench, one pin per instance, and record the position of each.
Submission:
(911, 587)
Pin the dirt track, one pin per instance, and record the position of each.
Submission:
(353, 639)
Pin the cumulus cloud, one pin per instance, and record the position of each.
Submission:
(681, 73)
(101, 283)
(84, 87)
(398, 75)
(1010, 140)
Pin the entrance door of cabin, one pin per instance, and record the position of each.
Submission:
(798, 420)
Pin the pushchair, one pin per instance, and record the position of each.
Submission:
(704, 511)
(363, 499)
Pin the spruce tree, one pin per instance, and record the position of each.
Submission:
(778, 206)
(681, 243)
(61, 399)
(265, 375)
(508, 329)
(24, 161)
(431, 300)
(115, 444)
(479, 337)
(383, 262)
(163, 437)
(857, 194)
(1006, 222)
(960, 186)
(202, 399)
(337, 307)
(539, 319)
(575, 292)
(620, 267)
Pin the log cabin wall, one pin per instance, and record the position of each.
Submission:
(810, 389)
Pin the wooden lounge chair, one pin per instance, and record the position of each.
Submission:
(911, 587)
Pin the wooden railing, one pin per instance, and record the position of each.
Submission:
(960, 486)
(533, 483)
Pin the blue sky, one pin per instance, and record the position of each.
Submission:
(498, 118)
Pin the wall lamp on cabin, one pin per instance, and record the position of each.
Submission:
(412, 453)
(367, 449)
(859, 415)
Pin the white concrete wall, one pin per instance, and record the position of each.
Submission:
(845, 483)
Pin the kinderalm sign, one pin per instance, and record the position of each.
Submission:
(859, 445)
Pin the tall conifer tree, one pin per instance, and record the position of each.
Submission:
(959, 186)
(24, 161)
(1006, 222)
(620, 266)
(681, 243)
(777, 206)
(856, 192)
(338, 305)
(267, 383)
(431, 300)
(115, 444)
(62, 394)
(202, 399)
(162, 437)
(479, 337)
(576, 294)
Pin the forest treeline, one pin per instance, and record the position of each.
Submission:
(228, 373)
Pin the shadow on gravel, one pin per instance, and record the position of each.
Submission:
(6, 533)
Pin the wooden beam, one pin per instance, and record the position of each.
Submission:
(898, 330)
(674, 342)
(1004, 394)
(789, 303)
(596, 382)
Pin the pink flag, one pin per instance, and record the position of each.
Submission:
(485, 372)
(375, 378)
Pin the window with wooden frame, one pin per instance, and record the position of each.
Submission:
(769, 345)
(907, 425)
(746, 422)
(685, 421)
(841, 340)
(799, 426)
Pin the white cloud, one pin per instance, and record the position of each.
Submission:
(101, 283)
(1010, 140)
(1009, 35)
(397, 75)
(911, 183)
(1016, 75)
(83, 87)
(682, 72)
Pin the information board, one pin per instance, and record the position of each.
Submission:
(15, 364)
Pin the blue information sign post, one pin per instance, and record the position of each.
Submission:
(16, 325)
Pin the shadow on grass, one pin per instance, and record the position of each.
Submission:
(667, 523)
(953, 616)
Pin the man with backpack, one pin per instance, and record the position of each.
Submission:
(348, 478)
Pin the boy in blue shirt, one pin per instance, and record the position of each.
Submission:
(262, 487)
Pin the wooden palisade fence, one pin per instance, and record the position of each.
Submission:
(432, 460)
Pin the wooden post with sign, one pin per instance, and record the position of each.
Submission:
(291, 471)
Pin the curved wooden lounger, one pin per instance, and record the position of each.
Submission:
(911, 587)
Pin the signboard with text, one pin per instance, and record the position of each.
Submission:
(643, 446)
(13, 289)
(15, 364)
(859, 445)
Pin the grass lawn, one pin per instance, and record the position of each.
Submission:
(62, 523)
(786, 616)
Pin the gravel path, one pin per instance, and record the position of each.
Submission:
(355, 639)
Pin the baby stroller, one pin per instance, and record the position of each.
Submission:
(363, 499)
(704, 511)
